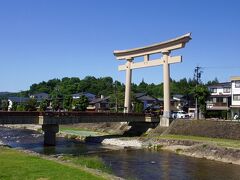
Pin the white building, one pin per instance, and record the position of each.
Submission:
(235, 106)
(220, 97)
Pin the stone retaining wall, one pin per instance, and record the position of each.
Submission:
(207, 128)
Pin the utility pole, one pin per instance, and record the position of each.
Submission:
(197, 77)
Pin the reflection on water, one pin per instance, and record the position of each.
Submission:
(147, 165)
(32, 140)
(130, 164)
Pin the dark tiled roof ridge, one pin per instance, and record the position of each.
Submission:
(221, 84)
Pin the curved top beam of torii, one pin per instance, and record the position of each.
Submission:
(164, 46)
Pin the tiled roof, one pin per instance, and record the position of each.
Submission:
(87, 94)
(18, 99)
(137, 95)
(41, 94)
(147, 98)
(100, 100)
(224, 84)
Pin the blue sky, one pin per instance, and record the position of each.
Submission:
(45, 39)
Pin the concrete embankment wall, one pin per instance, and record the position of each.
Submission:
(206, 128)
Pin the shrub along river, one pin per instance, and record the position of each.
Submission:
(126, 163)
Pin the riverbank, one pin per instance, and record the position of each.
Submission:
(125, 163)
(227, 151)
(224, 150)
(218, 149)
(22, 164)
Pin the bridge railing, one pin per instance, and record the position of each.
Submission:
(72, 113)
(19, 113)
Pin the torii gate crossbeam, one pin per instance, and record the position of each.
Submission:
(164, 48)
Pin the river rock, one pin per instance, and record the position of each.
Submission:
(123, 143)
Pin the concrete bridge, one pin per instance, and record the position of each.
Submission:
(50, 120)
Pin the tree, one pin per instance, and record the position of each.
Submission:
(117, 99)
(67, 103)
(80, 104)
(5, 105)
(21, 107)
(31, 105)
(43, 105)
(57, 100)
(215, 81)
(14, 106)
(138, 107)
(201, 92)
(142, 87)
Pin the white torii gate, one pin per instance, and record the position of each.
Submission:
(163, 47)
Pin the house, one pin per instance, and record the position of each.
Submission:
(235, 96)
(220, 97)
(99, 104)
(179, 102)
(90, 96)
(17, 100)
(147, 100)
(40, 96)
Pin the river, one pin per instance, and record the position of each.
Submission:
(127, 163)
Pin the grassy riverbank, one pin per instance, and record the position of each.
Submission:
(79, 131)
(65, 127)
(224, 150)
(229, 143)
(20, 165)
(93, 162)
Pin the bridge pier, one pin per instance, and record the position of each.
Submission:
(50, 131)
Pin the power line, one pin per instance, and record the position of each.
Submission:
(221, 67)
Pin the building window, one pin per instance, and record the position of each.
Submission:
(237, 84)
(226, 90)
(224, 100)
(213, 90)
(214, 100)
(236, 97)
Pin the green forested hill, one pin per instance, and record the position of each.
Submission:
(106, 86)
(61, 90)
(67, 86)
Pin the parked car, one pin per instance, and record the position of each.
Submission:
(174, 114)
(182, 115)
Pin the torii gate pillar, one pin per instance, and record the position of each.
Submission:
(166, 90)
(164, 48)
(127, 100)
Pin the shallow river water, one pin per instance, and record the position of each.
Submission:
(129, 164)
